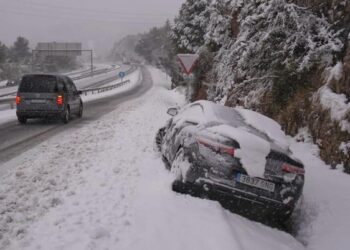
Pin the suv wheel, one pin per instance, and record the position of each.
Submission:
(66, 116)
(176, 165)
(22, 119)
(81, 109)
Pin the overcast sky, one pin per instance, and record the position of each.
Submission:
(97, 23)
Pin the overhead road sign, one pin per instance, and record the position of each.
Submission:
(59, 49)
(188, 62)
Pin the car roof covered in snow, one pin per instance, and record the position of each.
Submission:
(209, 114)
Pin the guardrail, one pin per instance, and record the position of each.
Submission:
(4, 87)
(104, 89)
(9, 94)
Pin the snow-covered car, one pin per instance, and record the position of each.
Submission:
(233, 155)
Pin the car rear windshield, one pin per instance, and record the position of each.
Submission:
(38, 84)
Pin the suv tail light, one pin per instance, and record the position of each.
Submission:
(18, 100)
(59, 100)
(216, 146)
(287, 168)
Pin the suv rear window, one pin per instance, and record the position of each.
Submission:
(38, 84)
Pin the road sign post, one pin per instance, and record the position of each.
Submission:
(188, 62)
(121, 75)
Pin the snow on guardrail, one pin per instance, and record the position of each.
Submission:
(104, 89)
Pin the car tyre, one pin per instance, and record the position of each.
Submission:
(22, 119)
(66, 116)
(176, 165)
(81, 110)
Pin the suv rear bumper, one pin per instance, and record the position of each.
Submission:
(39, 114)
(248, 204)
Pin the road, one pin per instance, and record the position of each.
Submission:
(8, 101)
(16, 138)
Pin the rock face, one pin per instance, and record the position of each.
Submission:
(274, 56)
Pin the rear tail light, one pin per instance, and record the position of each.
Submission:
(287, 168)
(216, 146)
(59, 100)
(18, 100)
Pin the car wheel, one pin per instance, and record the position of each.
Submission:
(159, 139)
(66, 116)
(22, 120)
(81, 109)
(178, 164)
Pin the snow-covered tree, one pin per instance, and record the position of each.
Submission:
(274, 37)
(3, 52)
(20, 50)
(191, 25)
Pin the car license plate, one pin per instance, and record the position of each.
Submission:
(38, 101)
(255, 182)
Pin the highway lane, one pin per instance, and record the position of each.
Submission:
(8, 102)
(16, 139)
(79, 80)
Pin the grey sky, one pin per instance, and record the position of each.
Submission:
(97, 23)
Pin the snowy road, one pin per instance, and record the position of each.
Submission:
(16, 139)
(7, 94)
(100, 185)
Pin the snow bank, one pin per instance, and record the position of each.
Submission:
(324, 211)
(337, 104)
(3, 83)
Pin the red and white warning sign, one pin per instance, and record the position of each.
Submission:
(188, 62)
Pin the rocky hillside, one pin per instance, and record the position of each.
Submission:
(289, 59)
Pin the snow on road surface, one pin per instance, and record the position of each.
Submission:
(3, 83)
(102, 186)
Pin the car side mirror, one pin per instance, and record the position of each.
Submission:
(173, 111)
(79, 92)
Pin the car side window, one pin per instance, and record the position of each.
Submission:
(69, 85)
(60, 85)
(73, 85)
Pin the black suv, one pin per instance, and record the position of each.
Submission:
(44, 96)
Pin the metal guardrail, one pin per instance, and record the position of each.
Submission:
(9, 94)
(104, 89)
(4, 87)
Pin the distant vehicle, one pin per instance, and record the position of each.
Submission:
(44, 96)
(11, 83)
(207, 147)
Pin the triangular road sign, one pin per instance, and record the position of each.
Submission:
(188, 62)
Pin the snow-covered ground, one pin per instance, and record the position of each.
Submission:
(3, 83)
(102, 186)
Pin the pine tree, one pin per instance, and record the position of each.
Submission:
(3, 53)
(20, 51)
(191, 25)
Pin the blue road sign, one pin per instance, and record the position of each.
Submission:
(121, 74)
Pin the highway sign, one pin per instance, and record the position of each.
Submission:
(121, 74)
(188, 62)
(59, 49)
